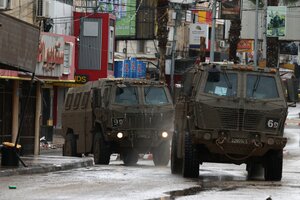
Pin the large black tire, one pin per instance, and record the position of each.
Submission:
(273, 166)
(190, 159)
(161, 154)
(176, 163)
(101, 150)
(70, 146)
(130, 157)
(254, 170)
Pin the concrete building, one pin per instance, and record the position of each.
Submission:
(54, 73)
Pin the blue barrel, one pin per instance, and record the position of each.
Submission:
(118, 68)
(140, 69)
(133, 62)
(126, 69)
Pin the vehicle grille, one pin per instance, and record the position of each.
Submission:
(148, 121)
(251, 119)
(228, 118)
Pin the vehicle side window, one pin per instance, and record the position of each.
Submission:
(261, 87)
(106, 96)
(85, 100)
(77, 100)
(97, 98)
(69, 101)
(221, 84)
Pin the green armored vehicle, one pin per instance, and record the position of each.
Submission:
(229, 114)
(125, 116)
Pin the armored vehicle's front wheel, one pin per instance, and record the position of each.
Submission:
(70, 146)
(130, 158)
(273, 166)
(161, 154)
(254, 170)
(190, 158)
(176, 163)
(101, 150)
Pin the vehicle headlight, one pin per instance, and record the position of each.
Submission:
(120, 135)
(207, 136)
(271, 141)
(164, 134)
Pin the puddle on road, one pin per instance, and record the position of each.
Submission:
(185, 192)
(181, 193)
(192, 191)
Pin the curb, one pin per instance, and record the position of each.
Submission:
(44, 168)
(292, 124)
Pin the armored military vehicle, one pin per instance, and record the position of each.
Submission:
(124, 116)
(228, 113)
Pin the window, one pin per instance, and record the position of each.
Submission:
(126, 95)
(221, 83)
(97, 98)
(155, 95)
(90, 29)
(77, 101)
(261, 87)
(106, 96)
(85, 100)
(69, 101)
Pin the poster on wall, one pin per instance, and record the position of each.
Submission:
(276, 16)
(196, 32)
(245, 46)
(230, 9)
(288, 47)
(126, 18)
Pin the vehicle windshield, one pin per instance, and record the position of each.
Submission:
(126, 95)
(221, 83)
(155, 95)
(261, 87)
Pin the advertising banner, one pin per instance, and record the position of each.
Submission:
(276, 17)
(196, 32)
(245, 46)
(289, 47)
(126, 18)
(230, 9)
(18, 44)
(205, 17)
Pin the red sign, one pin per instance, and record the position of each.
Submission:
(245, 45)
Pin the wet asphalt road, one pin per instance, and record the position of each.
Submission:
(145, 181)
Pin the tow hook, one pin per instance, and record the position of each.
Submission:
(221, 139)
(256, 142)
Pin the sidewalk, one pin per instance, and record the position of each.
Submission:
(49, 160)
(293, 118)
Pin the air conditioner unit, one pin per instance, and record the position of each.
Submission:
(4, 4)
(222, 44)
(42, 8)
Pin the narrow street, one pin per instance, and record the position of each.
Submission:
(145, 181)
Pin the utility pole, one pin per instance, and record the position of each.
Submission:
(177, 8)
(213, 32)
(256, 33)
